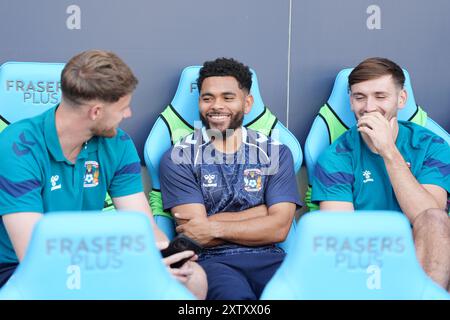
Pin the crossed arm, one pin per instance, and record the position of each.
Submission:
(252, 227)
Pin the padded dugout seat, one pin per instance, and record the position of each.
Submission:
(343, 255)
(93, 255)
(28, 89)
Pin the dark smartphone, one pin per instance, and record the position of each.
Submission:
(178, 244)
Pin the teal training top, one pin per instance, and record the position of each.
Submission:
(35, 176)
(349, 171)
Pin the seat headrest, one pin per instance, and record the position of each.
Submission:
(339, 99)
(356, 255)
(28, 88)
(94, 255)
(185, 101)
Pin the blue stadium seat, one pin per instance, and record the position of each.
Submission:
(343, 255)
(339, 101)
(93, 255)
(28, 89)
(185, 103)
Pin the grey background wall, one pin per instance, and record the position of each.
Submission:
(296, 46)
(329, 35)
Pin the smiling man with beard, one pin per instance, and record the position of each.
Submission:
(230, 188)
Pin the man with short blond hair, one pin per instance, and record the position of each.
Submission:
(68, 157)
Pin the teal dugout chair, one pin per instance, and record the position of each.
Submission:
(28, 89)
(93, 255)
(335, 117)
(178, 120)
(342, 255)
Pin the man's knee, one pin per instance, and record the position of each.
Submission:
(230, 290)
(433, 222)
(226, 283)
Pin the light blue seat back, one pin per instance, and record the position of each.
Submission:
(185, 103)
(28, 89)
(339, 102)
(93, 255)
(348, 255)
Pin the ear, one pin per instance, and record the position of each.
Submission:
(248, 103)
(95, 111)
(351, 101)
(402, 97)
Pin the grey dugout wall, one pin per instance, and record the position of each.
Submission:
(296, 46)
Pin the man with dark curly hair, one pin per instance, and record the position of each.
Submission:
(230, 188)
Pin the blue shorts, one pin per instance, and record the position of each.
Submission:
(240, 276)
(6, 271)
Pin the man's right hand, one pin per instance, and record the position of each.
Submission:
(185, 272)
(381, 132)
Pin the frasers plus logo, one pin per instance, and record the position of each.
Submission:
(36, 92)
(193, 87)
(97, 253)
(360, 252)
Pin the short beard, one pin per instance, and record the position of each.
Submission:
(105, 133)
(235, 122)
